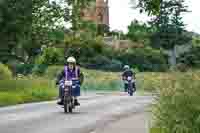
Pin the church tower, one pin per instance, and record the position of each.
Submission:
(98, 12)
(102, 12)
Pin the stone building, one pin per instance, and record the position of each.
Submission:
(97, 12)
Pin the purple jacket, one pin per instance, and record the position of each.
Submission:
(69, 74)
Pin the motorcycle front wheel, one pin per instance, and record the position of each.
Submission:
(68, 105)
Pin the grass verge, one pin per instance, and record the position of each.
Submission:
(25, 90)
(177, 108)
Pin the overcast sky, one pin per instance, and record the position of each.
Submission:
(121, 14)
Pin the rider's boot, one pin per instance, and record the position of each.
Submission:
(76, 103)
(60, 102)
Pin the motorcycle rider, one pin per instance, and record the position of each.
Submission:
(70, 72)
(128, 73)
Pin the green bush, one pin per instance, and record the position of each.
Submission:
(114, 65)
(191, 58)
(50, 55)
(103, 57)
(84, 48)
(24, 69)
(93, 53)
(99, 60)
(5, 73)
(103, 63)
(39, 69)
(145, 59)
(53, 71)
(98, 56)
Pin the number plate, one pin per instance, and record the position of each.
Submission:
(129, 78)
(68, 83)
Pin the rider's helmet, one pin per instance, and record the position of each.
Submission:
(71, 60)
(126, 67)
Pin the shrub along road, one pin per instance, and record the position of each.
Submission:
(96, 112)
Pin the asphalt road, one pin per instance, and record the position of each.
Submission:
(95, 113)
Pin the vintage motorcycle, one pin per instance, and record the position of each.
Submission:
(68, 98)
(131, 85)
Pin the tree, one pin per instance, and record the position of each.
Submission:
(45, 15)
(26, 24)
(15, 25)
(102, 29)
(139, 32)
(170, 29)
(88, 29)
(75, 11)
(152, 7)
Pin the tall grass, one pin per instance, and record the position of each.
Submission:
(94, 80)
(33, 89)
(152, 81)
(177, 108)
(102, 81)
(26, 90)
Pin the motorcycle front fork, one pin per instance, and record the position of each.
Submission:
(130, 91)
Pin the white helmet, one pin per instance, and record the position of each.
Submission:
(71, 60)
(126, 67)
